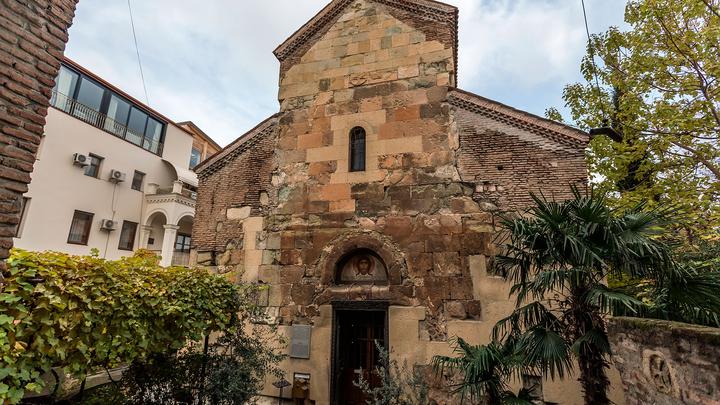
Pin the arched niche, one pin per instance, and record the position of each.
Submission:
(361, 266)
(351, 246)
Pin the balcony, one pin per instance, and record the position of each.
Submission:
(167, 222)
(103, 122)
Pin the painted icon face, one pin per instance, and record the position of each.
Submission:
(363, 266)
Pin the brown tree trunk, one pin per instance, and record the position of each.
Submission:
(593, 376)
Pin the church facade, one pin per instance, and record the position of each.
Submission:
(368, 203)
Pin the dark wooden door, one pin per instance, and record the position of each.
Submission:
(356, 352)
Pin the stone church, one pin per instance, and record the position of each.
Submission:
(368, 203)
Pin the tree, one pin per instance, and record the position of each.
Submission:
(558, 257)
(688, 294)
(658, 84)
(485, 371)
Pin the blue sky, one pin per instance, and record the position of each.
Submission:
(211, 61)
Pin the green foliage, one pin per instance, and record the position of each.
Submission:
(558, 257)
(689, 294)
(485, 371)
(398, 385)
(231, 370)
(660, 90)
(81, 313)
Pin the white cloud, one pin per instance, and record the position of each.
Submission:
(211, 61)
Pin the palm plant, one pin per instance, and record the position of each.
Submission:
(558, 258)
(485, 370)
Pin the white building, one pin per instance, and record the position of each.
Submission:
(111, 174)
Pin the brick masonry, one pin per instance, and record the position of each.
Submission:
(666, 363)
(440, 164)
(33, 34)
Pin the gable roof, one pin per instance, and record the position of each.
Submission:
(557, 131)
(321, 22)
(194, 128)
(243, 143)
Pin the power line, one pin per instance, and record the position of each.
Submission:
(592, 60)
(137, 51)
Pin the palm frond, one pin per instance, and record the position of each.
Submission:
(524, 318)
(593, 338)
(611, 301)
(484, 369)
(549, 351)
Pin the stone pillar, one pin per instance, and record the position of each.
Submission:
(168, 245)
(177, 187)
(144, 236)
(34, 34)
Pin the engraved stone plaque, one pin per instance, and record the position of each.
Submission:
(300, 343)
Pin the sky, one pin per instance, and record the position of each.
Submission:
(211, 61)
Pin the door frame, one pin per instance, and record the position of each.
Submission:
(370, 306)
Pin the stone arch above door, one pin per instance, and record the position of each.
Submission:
(353, 245)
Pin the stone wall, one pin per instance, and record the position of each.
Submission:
(33, 34)
(666, 363)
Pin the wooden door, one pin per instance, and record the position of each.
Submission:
(356, 352)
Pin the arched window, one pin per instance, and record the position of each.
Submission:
(357, 149)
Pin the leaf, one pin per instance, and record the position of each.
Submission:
(4, 319)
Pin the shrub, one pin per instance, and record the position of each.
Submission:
(229, 370)
(83, 312)
(397, 385)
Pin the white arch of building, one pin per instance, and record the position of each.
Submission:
(159, 221)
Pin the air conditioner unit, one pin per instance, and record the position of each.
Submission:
(116, 176)
(107, 225)
(81, 160)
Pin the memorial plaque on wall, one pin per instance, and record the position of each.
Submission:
(300, 342)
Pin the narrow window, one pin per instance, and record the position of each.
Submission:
(117, 115)
(80, 228)
(357, 149)
(127, 235)
(182, 243)
(64, 90)
(93, 169)
(136, 126)
(195, 157)
(153, 135)
(23, 213)
(138, 179)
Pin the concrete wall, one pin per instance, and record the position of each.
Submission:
(33, 34)
(58, 187)
(666, 363)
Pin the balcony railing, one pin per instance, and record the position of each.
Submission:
(181, 259)
(178, 258)
(102, 121)
(186, 192)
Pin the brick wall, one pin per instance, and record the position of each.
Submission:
(241, 178)
(33, 34)
(507, 163)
